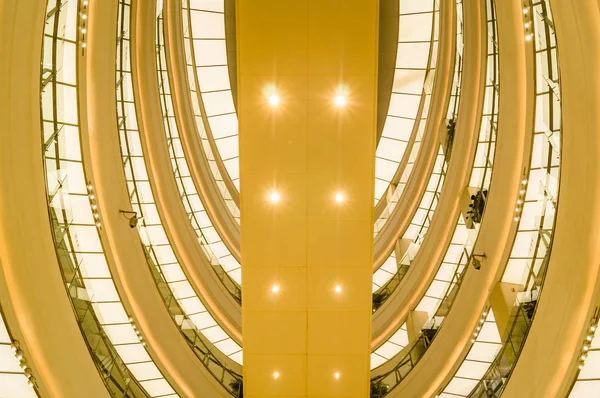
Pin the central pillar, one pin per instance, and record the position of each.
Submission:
(307, 75)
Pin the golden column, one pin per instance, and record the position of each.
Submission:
(307, 74)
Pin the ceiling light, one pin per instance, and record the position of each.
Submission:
(274, 197)
(340, 100)
(525, 10)
(84, 16)
(528, 37)
(593, 328)
(526, 25)
(516, 218)
(338, 289)
(83, 30)
(276, 375)
(586, 348)
(580, 367)
(336, 375)
(275, 289)
(339, 197)
(83, 45)
(274, 99)
(522, 191)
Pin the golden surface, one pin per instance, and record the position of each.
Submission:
(307, 149)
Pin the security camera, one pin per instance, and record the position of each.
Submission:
(476, 260)
(131, 216)
(133, 222)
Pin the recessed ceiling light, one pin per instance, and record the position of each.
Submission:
(337, 375)
(274, 197)
(338, 289)
(276, 375)
(275, 289)
(274, 99)
(340, 100)
(339, 197)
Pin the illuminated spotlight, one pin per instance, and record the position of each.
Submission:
(522, 191)
(528, 37)
(525, 10)
(274, 99)
(338, 289)
(339, 197)
(275, 289)
(524, 182)
(337, 375)
(340, 100)
(527, 25)
(580, 367)
(83, 30)
(516, 218)
(275, 375)
(274, 197)
(84, 16)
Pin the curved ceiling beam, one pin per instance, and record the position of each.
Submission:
(126, 258)
(572, 284)
(220, 216)
(389, 318)
(515, 123)
(158, 163)
(35, 287)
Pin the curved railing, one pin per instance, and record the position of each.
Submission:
(225, 265)
(16, 378)
(538, 206)
(388, 277)
(106, 327)
(216, 350)
(439, 297)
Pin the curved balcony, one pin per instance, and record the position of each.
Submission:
(33, 295)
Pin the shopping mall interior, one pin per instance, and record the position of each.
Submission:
(447, 151)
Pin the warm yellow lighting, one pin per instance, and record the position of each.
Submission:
(275, 289)
(339, 197)
(522, 191)
(83, 30)
(593, 328)
(84, 16)
(274, 197)
(340, 101)
(98, 225)
(528, 37)
(527, 25)
(516, 218)
(338, 289)
(525, 10)
(337, 375)
(275, 375)
(274, 99)
(580, 367)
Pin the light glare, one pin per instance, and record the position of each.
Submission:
(274, 99)
(340, 100)
(274, 197)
